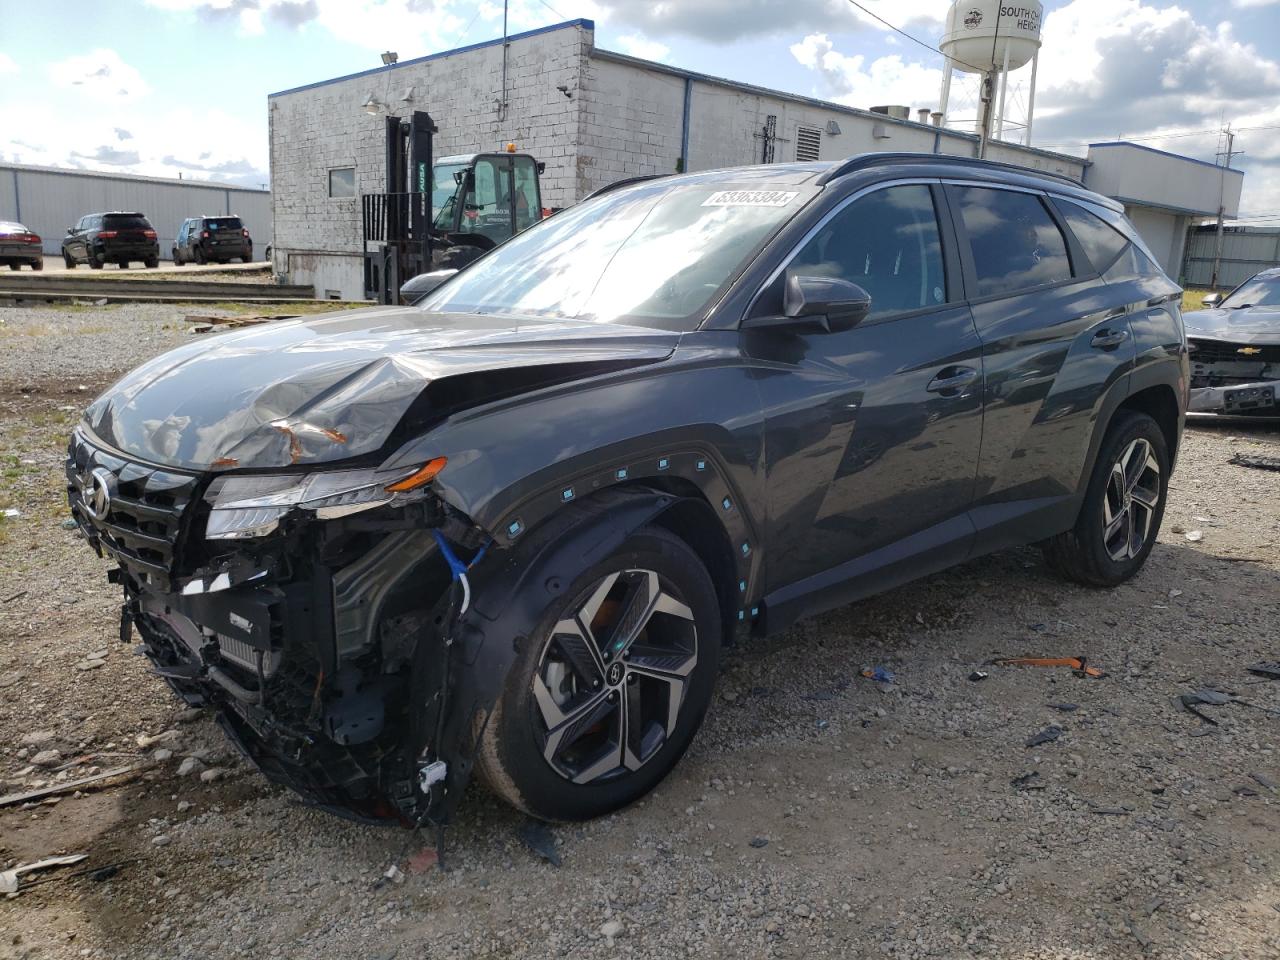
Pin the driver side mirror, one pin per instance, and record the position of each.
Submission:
(828, 303)
(1211, 300)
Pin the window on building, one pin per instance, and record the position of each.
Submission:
(808, 143)
(1015, 243)
(887, 242)
(1102, 242)
(342, 182)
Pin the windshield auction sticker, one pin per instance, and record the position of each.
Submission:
(749, 198)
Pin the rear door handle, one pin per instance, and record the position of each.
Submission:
(1109, 339)
(957, 378)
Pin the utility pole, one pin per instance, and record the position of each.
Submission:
(1222, 189)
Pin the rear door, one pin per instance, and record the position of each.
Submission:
(872, 434)
(1056, 344)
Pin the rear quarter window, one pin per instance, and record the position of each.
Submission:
(1102, 243)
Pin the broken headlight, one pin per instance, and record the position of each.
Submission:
(253, 506)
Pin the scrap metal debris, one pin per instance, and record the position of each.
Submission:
(1268, 669)
(204, 323)
(1047, 735)
(538, 837)
(10, 880)
(1029, 781)
(1255, 461)
(67, 786)
(1078, 665)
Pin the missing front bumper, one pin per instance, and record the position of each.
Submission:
(1259, 399)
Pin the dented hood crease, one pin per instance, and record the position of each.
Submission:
(328, 388)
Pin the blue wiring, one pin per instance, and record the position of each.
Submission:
(458, 569)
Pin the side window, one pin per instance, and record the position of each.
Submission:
(1102, 242)
(888, 243)
(528, 211)
(1015, 243)
(342, 182)
(481, 209)
(1132, 263)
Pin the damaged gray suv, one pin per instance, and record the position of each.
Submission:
(512, 529)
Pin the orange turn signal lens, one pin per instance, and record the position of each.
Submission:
(424, 474)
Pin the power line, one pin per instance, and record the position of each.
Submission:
(914, 40)
(553, 9)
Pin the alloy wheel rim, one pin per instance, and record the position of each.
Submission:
(613, 675)
(1132, 496)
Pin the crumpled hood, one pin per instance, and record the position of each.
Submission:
(1250, 325)
(330, 387)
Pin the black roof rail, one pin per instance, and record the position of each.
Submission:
(624, 182)
(865, 160)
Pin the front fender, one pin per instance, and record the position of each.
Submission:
(510, 594)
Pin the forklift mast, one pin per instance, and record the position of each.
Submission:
(397, 223)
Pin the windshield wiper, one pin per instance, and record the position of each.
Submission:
(1242, 306)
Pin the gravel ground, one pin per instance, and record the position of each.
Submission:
(818, 814)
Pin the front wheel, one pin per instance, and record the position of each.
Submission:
(1122, 508)
(153, 263)
(68, 260)
(613, 684)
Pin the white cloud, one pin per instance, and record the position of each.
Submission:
(642, 47)
(100, 74)
(7, 64)
(855, 81)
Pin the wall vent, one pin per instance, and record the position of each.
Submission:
(808, 143)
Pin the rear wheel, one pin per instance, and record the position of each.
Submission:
(177, 258)
(607, 694)
(200, 257)
(68, 260)
(153, 263)
(37, 264)
(15, 265)
(1122, 508)
(94, 262)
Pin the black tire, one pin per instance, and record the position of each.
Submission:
(177, 258)
(94, 263)
(1081, 554)
(15, 266)
(153, 263)
(37, 264)
(510, 759)
(68, 260)
(122, 264)
(200, 258)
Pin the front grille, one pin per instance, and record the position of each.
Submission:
(145, 506)
(1219, 351)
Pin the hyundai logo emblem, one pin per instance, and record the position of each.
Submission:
(96, 498)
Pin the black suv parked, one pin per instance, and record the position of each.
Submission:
(118, 238)
(212, 240)
(514, 528)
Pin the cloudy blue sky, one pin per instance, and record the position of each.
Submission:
(163, 86)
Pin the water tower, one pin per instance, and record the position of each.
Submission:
(990, 38)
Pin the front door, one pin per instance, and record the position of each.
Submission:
(872, 434)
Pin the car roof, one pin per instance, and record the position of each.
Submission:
(822, 172)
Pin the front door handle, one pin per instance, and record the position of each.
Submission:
(951, 379)
(1109, 339)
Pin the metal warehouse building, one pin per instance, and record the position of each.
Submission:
(48, 200)
(1245, 251)
(594, 116)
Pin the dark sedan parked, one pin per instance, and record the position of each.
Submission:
(513, 528)
(119, 238)
(18, 245)
(1235, 350)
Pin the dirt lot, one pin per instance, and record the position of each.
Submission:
(818, 814)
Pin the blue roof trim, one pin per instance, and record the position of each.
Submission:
(580, 22)
(1163, 153)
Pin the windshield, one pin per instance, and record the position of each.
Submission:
(656, 253)
(1257, 292)
(444, 186)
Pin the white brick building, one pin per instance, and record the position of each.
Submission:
(594, 116)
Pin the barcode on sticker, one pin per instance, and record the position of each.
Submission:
(749, 198)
